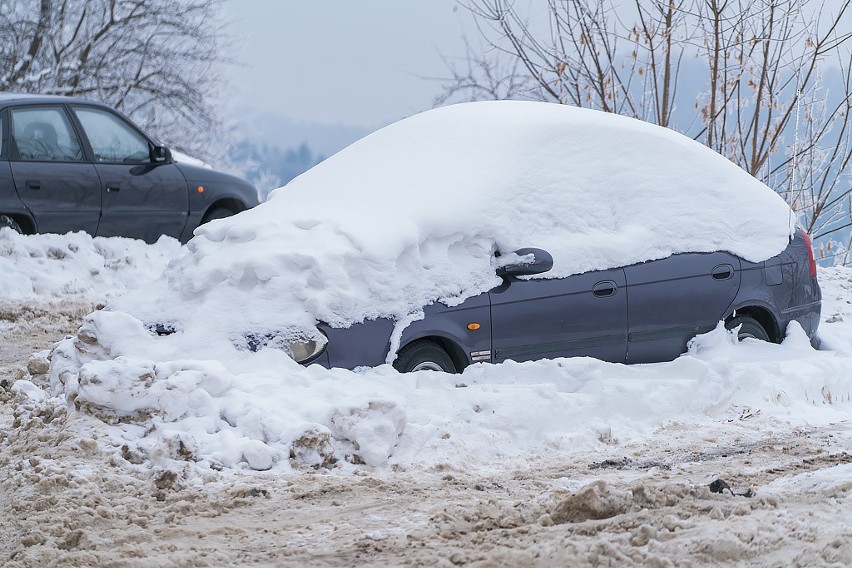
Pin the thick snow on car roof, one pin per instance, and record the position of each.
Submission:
(414, 212)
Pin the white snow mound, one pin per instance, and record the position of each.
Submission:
(78, 265)
(414, 212)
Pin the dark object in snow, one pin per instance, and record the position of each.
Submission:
(161, 328)
(719, 486)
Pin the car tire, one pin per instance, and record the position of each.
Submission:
(749, 328)
(217, 213)
(6, 221)
(424, 356)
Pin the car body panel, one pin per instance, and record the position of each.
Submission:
(142, 201)
(60, 196)
(584, 314)
(362, 344)
(9, 195)
(671, 300)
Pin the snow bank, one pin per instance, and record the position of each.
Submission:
(414, 212)
(54, 266)
(266, 412)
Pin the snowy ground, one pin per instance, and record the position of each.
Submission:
(571, 462)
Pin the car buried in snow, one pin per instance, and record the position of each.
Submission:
(413, 247)
(69, 164)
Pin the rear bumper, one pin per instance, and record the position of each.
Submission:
(808, 317)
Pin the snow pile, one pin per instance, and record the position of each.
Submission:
(263, 411)
(53, 266)
(414, 213)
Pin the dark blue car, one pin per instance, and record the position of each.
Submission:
(641, 313)
(75, 165)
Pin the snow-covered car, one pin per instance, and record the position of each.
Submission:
(69, 164)
(412, 247)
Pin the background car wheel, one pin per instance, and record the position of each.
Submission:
(424, 355)
(217, 213)
(6, 221)
(749, 328)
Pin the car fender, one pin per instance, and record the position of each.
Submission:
(464, 330)
(209, 189)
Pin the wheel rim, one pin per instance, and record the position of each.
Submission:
(427, 366)
(746, 335)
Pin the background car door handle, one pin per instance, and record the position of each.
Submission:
(723, 272)
(604, 289)
(33, 184)
(113, 187)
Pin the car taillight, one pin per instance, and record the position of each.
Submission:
(810, 248)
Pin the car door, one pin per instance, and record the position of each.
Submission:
(141, 199)
(52, 178)
(672, 300)
(582, 315)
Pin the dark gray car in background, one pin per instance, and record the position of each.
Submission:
(641, 313)
(71, 164)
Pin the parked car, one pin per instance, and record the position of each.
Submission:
(69, 164)
(651, 238)
(642, 313)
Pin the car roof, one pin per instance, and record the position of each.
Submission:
(7, 98)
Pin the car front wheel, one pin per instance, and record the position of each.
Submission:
(217, 213)
(750, 328)
(424, 356)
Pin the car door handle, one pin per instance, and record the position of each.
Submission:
(33, 184)
(723, 272)
(113, 187)
(604, 289)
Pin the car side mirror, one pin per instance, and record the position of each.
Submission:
(528, 261)
(161, 155)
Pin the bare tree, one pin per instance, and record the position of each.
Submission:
(766, 83)
(155, 60)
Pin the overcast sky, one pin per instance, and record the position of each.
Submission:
(340, 61)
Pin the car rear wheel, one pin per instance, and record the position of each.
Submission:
(217, 213)
(6, 221)
(424, 356)
(750, 328)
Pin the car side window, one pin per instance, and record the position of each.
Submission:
(44, 134)
(112, 140)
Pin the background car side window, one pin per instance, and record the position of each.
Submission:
(44, 135)
(112, 140)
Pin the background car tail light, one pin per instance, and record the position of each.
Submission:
(810, 247)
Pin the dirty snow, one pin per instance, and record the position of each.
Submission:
(114, 456)
(121, 448)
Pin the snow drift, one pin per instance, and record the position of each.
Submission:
(78, 265)
(266, 412)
